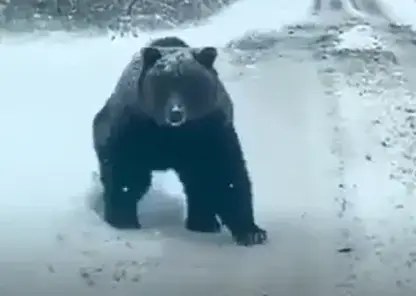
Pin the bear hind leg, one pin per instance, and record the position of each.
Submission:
(199, 220)
(201, 214)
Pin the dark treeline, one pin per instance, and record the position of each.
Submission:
(77, 14)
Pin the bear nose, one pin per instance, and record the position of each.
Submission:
(176, 117)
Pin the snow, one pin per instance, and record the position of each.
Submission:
(52, 241)
(360, 37)
(402, 14)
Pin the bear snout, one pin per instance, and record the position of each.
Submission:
(175, 115)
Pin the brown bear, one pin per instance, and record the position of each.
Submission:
(170, 110)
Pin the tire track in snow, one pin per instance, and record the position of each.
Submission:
(377, 135)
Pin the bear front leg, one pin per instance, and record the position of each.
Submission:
(201, 215)
(123, 187)
(233, 190)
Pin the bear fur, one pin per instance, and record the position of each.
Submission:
(170, 110)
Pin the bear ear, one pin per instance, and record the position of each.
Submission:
(150, 55)
(206, 56)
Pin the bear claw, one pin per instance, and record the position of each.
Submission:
(256, 236)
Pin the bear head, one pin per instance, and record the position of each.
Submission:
(178, 84)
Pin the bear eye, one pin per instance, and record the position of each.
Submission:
(196, 89)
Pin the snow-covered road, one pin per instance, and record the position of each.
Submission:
(323, 139)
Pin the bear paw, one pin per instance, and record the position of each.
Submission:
(121, 212)
(212, 226)
(122, 221)
(254, 236)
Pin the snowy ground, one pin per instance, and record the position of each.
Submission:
(315, 134)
